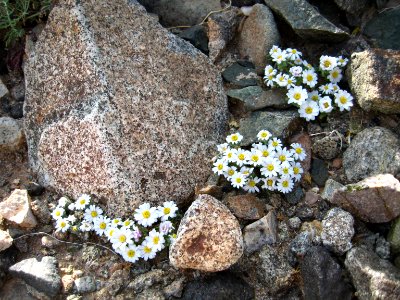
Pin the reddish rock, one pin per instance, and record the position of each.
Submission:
(375, 199)
(208, 239)
(247, 207)
(16, 208)
(305, 140)
(337, 163)
(311, 198)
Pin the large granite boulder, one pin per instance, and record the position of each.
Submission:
(118, 107)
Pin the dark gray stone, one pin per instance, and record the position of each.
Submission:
(394, 236)
(306, 21)
(323, 276)
(280, 123)
(254, 98)
(384, 29)
(295, 196)
(3, 89)
(319, 171)
(7, 258)
(42, 274)
(197, 36)
(373, 277)
(373, 151)
(304, 212)
(222, 286)
(300, 244)
(382, 248)
(331, 186)
(352, 6)
(34, 189)
(239, 75)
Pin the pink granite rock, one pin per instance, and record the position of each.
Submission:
(208, 239)
(16, 208)
(129, 113)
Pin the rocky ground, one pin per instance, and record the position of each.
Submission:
(337, 235)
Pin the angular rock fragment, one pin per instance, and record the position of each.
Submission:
(374, 278)
(3, 89)
(331, 186)
(11, 135)
(131, 113)
(247, 207)
(260, 233)
(5, 240)
(208, 239)
(259, 33)
(375, 199)
(306, 21)
(374, 77)
(352, 6)
(373, 151)
(16, 208)
(240, 75)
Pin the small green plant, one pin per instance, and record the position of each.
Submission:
(16, 14)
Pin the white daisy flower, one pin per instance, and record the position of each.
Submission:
(298, 151)
(325, 104)
(344, 100)
(220, 167)
(131, 253)
(293, 54)
(327, 63)
(269, 70)
(168, 210)
(269, 184)
(308, 65)
(314, 96)
(269, 80)
(62, 225)
(298, 61)
(265, 150)
(85, 226)
(251, 185)
(92, 213)
(116, 222)
(255, 158)
(63, 201)
(279, 57)
(71, 219)
(230, 155)
(155, 240)
(121, 238)
(291, 82)
(274, 49)
(286, 169)
(82, 201)
(309, 110)
(222, 148)
(283, 154)
(335, 75)
(297, 95)
(166, 227)
(147, 251)
(335, 88)
(274, 143)
(241, 157)
(127, 223)
(101, 225)
(271, 167)
(246, 171)
(326, 88)
(146, 215)
(264, 135)
(310, 78)
(230, 172)
(284, 184)
(238, 180)
(342, 62)
(234, 138)
(281, 79)
(58, 213)
(172, 238)
(297, 171)
(110, 232)
(296, 71)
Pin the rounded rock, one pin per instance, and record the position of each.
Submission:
(208, 239)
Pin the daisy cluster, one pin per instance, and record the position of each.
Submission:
(313, 90)
(267, 165)
(132, 239)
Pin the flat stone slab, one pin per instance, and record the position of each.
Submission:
(130, 113)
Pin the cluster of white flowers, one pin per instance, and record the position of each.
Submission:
(267, 165)
(312, 90)
(132, 239)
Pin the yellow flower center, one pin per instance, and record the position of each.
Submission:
(299, 150)
(156, 240)
(296, 170)
(116, 221)
(102, 225)
(275, 144)
(241, 156)
(285, 170)
(235, 137)
(327, 64)
(74, 228)
(335, 74)
(127, 223)
(294, 51)
(220, 167)
(310, 77)
(270, 182)
(82, 201)
(231, 172)
(255, 158)
(265, 153)
(282, 157)
(122, 239)
(93, 214)
(58, 213)
(264, 134)
(343, 100)
(146, 214)
(238, 180)
(309, 110)
(147, 249)
(270, 167)
(166, 210)
(63, 224)
(297, 96)
(252, 183)
(315, 98)
(229, 154)
(131, 253)
(285, 183)
(111, 232)
(326, 104)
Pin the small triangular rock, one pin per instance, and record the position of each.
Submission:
(17, 209)
(209, 237)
